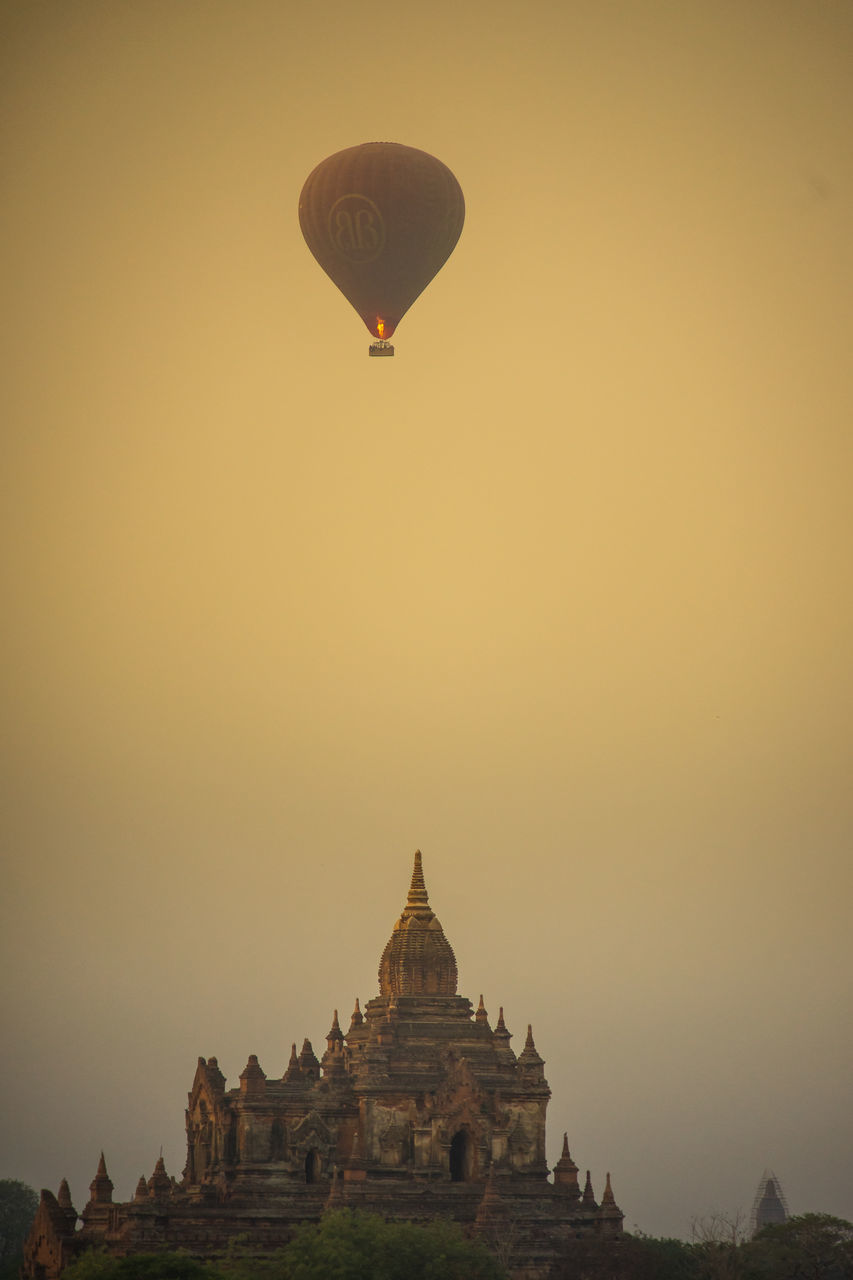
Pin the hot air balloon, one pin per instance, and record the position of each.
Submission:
(381, 219)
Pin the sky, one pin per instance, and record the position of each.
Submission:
(560, 595)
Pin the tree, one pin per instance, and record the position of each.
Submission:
(814, 1246)
(97, 1264)
(342, 1246)
(627, 1257)
(720, 1227)
(355, 1246)
(18, 1205)
(717, 1240)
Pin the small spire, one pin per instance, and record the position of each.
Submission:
(64, 1197)
(308, 1062)
(566, 1173)
(252, 1077)
(608, 1197)
(293, 1071)
(335, 1196)
(335, 1032)
(492, 1211)
(530, 1061)
(356, 1035)
(417, 900)
(481, 1014)
(101, 1188)
(502, 1038)
(588, 1195)
(159, 1184)
(141, 1192)
(252, 1070)
(333, 1058)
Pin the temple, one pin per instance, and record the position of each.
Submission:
(420, 1109)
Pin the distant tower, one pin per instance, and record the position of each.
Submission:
(769, 1206)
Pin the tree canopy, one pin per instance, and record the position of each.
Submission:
(354, 1246)
(342, 1246)
(18, 1205)
(96, 1264)
(814, 1246)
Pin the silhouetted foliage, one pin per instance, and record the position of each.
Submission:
(95, 1264)
(626, 1258)
(18, 1205)
(354, 1246)
(814, 1246)
(717, 1245)
(342, 1246)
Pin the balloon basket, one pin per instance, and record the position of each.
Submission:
(380, 348)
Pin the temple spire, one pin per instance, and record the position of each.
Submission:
(159, 1184)
(530, 1061)
(293, 1071)
(333, 1058)
(502, 1038)
(492, 1213)
(417, 959)
(309, 1064)
(566, 1173)
(101, 1188)
(417, 900)
(334, 1200)
(335, 1032)
(252, 1077)
(610, 1215)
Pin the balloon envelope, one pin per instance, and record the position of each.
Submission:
(381, 219)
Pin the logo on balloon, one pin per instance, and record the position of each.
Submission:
(356, 228)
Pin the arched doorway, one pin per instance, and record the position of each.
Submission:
(312, 1166)
(460, 1156)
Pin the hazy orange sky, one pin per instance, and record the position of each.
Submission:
(561, 594)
